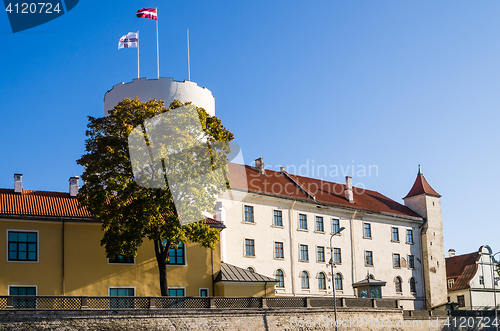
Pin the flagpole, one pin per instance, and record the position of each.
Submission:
(189, 69)
(157, 52)
(138, 76)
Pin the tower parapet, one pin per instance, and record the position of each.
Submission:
(165, 88)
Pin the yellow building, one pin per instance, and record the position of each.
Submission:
(52, 247)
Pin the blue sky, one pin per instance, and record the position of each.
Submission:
(391, 84)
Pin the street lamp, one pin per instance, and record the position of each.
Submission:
(494, 287)
(333, 278)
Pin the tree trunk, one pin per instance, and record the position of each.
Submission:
(161, 259)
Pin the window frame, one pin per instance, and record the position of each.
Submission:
(318, 252)
(337, 252)
(450, 283)
(395, 234)
(25, 301)
(413, 285)
(184, 256)
(411, 265)
(204, 289)
(245, 214)
(23, 231)
(245, 246)
(176, 288)
(367, 226)
(371, 258)
(306, 252)
(121, 263)
(319, 224)
(277, 249)
(341, 278)
(305, 222)
(308, 278)
(282, 278)
(321, 281)
(335, 225)
(278, 217)
(121, 287)
(398, 281)
(398, 266)
(409, 234)
(461, 303)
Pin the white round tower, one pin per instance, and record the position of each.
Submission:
(166, 89)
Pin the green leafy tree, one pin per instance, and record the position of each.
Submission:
(131, 213)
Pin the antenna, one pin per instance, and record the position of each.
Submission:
(189, 69)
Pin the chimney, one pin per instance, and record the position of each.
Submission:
(348, 189)
(451, 252)
(73, 186)
(259, 164)
(18, 183)
(283, 169)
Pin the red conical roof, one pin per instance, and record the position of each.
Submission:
(421, 187)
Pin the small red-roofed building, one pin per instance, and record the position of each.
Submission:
(469, 279)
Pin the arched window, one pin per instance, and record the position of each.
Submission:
(398, 284)
(280, 278)
(304, 279)
(338, 281)
(251, 269)
(322, 281)
(413, 285)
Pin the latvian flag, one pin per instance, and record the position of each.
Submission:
(128, 40)
(147, 13)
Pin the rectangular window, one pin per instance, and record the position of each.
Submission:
(121, 303)
(120, 259)
(176, 292)
(176, 256)
(249, 247)
(320, 253)
(204, 292)
(278, 219)
(304, 254)
(249, 214)
(396, 260)
(409, 236)
(369, 258)
(411, 262)
(395, 234)
(302, 222)
(335, 225)
(461, 300)
(367, 230)
(23, 246)
(23, 303)
(278, 250)
(337, 258)
(319, 224)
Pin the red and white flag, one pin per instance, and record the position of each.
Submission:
(129, 40)
(147, 13)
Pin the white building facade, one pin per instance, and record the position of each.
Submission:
(280, 225)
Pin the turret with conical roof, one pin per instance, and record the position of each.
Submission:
(426, 202)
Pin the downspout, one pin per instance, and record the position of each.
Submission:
(353, 254)
(292, 264)
(63, 280)
(213, 285)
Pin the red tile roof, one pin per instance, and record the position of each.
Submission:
(421, 186)
(327, 193)
(461, 268)
(51, 205)
(40, 204)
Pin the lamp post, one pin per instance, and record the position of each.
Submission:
(333, 278)
(494, 287)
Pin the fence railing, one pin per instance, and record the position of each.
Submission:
(77, 303)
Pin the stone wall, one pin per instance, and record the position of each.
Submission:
(215, 319)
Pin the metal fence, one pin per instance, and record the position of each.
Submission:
(78, 303)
